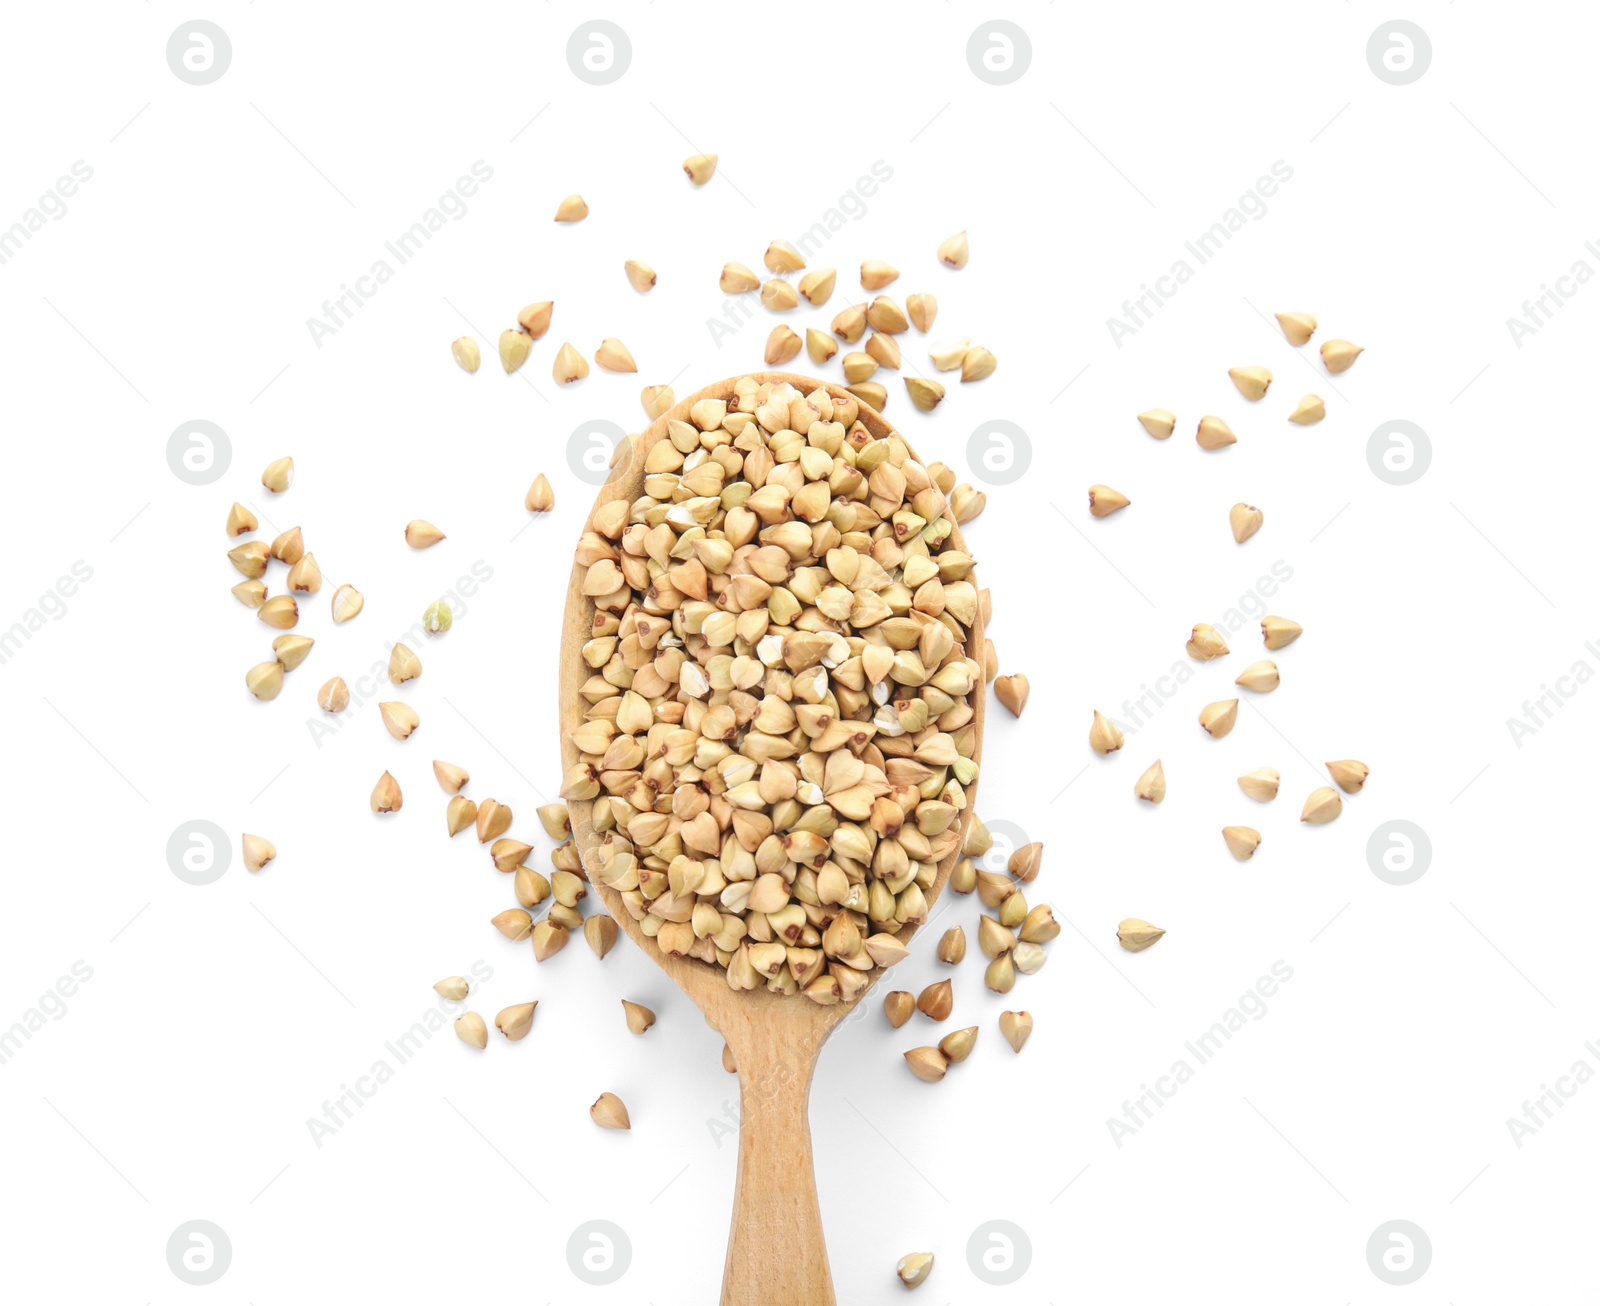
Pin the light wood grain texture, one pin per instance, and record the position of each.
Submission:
(776, 1254)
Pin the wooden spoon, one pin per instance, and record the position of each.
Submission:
(776, 1255)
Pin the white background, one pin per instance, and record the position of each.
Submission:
(178, 1083)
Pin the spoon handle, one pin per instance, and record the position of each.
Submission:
(776, 1255)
